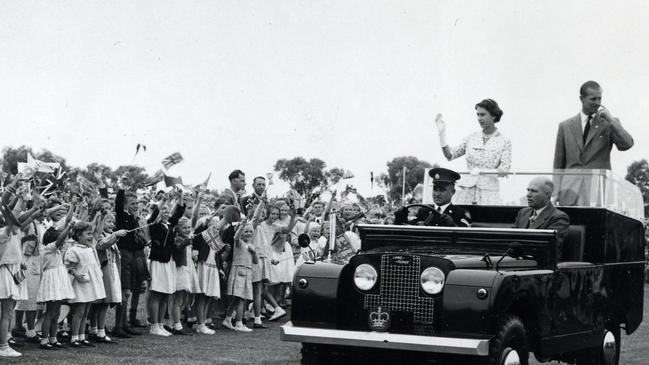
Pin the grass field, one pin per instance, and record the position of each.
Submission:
(228, 347)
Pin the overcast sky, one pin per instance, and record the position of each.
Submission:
(240, 84)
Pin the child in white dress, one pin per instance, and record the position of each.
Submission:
(108, 255)
(55, 286)
(240, 278)
(10, 290)
(13, 286)
(209, 244)
(265, 233)
(87, 283)
(186, 276)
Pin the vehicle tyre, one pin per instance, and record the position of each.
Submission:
(608, 353)
(510, 344)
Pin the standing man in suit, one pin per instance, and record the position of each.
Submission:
(443, 212)
(249, 202)
(540, 213)
(237, 187)
(585, 142)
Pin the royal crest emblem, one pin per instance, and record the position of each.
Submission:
(379, 320)
(436, 176)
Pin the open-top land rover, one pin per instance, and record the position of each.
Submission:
(485, 294)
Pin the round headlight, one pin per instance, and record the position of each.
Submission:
(432, 280)
(365, 277)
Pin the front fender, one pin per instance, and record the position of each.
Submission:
(315, 304)
(463, 313)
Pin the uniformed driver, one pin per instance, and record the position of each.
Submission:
(442, 213)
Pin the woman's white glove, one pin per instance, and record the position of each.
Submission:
(441, 130)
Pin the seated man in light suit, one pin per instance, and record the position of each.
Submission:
(541, 214)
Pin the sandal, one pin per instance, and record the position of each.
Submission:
(47, 346)
(104, 339)
(13, 343)
(87, 343)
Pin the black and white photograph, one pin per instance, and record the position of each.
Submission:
(324, 182)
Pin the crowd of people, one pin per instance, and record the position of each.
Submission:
(193, 263)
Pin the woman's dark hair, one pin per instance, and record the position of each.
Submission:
(492, 107)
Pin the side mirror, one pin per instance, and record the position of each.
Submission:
(515, 248)
(303, 240)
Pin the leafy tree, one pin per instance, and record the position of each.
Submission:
(414, 175)
(12, 155)
(307, 178)
(638, 174)
(138, 174)
(107, 173)
(334, 175)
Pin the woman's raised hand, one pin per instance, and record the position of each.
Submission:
(441, 129)
(440, 123)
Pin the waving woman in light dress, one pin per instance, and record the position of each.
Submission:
(487, 149)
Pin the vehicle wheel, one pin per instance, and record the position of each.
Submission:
(313, 354)
(608, 353)
(509, 347)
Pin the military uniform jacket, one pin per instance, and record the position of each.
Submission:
(460, 216)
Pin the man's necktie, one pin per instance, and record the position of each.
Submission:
(587, 128)
(439, 209)
(532, 218)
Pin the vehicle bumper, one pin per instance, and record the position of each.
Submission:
(385, 340)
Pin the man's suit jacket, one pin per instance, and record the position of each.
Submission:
(571, 153)
(550, 218)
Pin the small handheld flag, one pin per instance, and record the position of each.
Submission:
(154, 179)
(172, 181)
(173, 159)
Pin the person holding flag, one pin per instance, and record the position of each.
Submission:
(131, 246)
(163, 268)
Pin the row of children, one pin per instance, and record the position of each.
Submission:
(193, 258)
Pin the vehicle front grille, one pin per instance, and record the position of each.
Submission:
(399, 288)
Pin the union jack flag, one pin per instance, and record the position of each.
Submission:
(54, 182)
(173, 159)
(212, 238)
